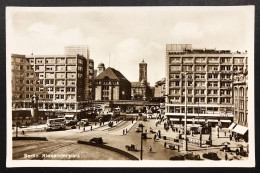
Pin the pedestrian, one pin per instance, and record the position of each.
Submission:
(132, 121)
(90, 128)
(230, 137)
(237, 152)
(225, 133)
(123, 131)
(22, 132)
(84, 129)
(150, 149)
(126, 131)
(164, 144)
(226, 156)
(154, 137)
(178, 148)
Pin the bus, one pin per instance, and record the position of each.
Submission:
(56, 124)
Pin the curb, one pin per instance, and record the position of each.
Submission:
(126, 154)
(30, 138)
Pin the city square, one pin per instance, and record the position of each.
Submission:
(124, 96)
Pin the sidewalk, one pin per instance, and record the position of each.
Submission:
(97, 126)
(216, 143)
(128, 127)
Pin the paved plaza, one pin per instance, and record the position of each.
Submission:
(121, 134)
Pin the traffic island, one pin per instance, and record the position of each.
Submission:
(30, 138)
(126, 154)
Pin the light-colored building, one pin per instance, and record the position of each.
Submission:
(83, 50)
(209, 83)
(59, 81)
(241, 105)
(112, 85)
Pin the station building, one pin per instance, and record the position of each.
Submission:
(210, 75)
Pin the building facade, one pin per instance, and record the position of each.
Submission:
(210, 77)
(112, 85)
(58, 81)
(83, 50)
(241, 105)
(159, 90)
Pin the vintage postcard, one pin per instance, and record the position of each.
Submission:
(130, 86)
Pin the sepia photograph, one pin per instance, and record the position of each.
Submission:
(130, 86)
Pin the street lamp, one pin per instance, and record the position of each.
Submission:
(141, 153)
(185, 142)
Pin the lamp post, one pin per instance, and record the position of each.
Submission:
(141, 153)
(185, 142)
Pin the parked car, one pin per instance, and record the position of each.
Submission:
(180, 157)
(97, 140)
(211, 156)
(225, 149)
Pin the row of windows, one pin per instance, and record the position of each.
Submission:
(48, 82)
(52, 60)
(210, 60)
(50, 96)
(203, 68)
(200, 100)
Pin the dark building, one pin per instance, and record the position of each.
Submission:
(112, 85)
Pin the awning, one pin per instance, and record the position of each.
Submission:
(226, 121)
(240, 129)
(211, 120)
(231, 126)
(174, 119)
(69, 116)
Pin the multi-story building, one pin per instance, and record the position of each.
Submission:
(241, 104)
(141, 90)
(209, 75)
(58, 81)
(112, 85)
(83, 50)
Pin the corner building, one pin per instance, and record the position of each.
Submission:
(210, 75)
(58, 81)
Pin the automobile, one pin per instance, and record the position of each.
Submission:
(138, 129)
(84, 122)
(225, 149)
(96, 140)
(131, 147)
(191, 156)
(211, 156)
(180, 157)
(140, 125)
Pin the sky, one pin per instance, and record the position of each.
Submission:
(127, 35)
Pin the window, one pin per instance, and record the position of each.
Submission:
(241, 92)
(189, 91)
(241, 104)
(189, 99)
(215, 91)
(177, 83)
